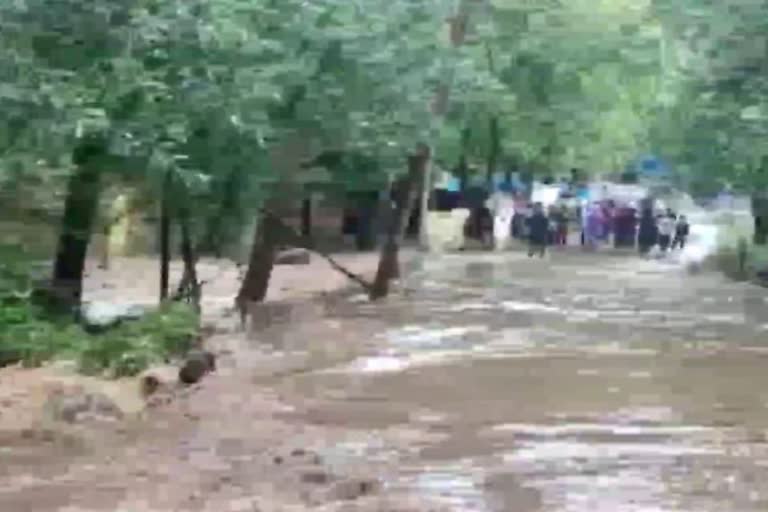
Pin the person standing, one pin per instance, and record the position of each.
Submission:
(682, 229)
(621, 227)
(552, 216)
(666, 230)
(562, 226)
(538, 231)
(595, 226)
(647, 235)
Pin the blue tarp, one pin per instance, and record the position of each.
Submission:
(453, 184)
(650, 166)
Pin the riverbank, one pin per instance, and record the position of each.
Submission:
(232, 443)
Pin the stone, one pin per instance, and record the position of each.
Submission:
(197, 364)
(103, 406)
(316, 476)
(156, 380)
(293, 257)
(100, 316)
(354, 488)
(75, 405)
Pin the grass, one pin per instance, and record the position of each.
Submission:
(29, 336)
(737, 229)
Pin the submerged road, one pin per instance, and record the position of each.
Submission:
(585, 382)
(597, 382)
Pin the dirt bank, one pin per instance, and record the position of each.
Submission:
(231, 444)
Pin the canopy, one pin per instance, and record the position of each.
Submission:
(620, 193)
(545, 194)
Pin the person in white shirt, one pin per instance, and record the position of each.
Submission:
(667, 224)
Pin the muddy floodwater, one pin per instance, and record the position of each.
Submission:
(586, 382)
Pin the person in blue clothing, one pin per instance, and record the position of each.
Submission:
(538, 231)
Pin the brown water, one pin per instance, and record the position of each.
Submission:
(583, 383)
(589, 382)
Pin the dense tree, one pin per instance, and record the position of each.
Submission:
(216, 107)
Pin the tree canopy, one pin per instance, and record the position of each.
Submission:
(236, 91)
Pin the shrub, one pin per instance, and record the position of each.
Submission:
(30, 336)
(133, 345)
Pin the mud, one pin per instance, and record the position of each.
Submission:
(584, 382)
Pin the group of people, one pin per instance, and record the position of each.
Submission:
(598, 222)
(666, 230)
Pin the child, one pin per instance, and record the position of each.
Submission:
(666, 225)
(682, 228)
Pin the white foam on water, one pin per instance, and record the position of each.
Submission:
(458, 486)
(416, 336)
(617, 429)
(511, 305)
(470, 306)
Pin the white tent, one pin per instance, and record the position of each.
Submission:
(545, 194)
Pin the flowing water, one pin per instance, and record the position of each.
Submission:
(597, 382)
(585, 382)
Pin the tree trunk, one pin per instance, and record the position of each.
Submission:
(80, 208)
(462, 169)
(424, 206)
(306, 217)
(527, 179)
(262, 259)
(493, 152)
(761, 233)
(190, 260)
(165, 236)
(212, 240)
(404, 201)
(366, 212)
(106, 232)
(759, 210)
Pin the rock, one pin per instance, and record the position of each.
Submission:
(316, 476)
(197, 364)
(103, 406)
(76, 405)
(99, 316)
(156, 380)
(293, 257)
(354, 488)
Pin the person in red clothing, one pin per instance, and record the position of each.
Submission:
(561, 226)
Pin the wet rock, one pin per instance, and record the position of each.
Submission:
(77, 405)
(293, 257)
(157, 380)
(316, 477)
(100, 316)
(354, 488)
(197, 364)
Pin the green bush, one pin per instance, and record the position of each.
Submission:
(25, 336)
(132, 346)
(30, 336)
(727, 261)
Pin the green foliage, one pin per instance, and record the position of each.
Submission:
(232, 96)
(28, 335)
(717, 90)
(133, 346)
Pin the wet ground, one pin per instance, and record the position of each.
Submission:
(585, 382)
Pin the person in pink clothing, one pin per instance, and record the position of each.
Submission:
(595, 225)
